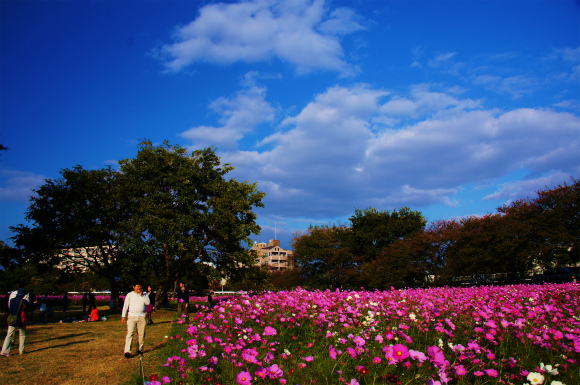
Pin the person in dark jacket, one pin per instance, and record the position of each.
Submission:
(64, 302)
(16, 297)
(183, 301)
(150, 309)
(85, 303)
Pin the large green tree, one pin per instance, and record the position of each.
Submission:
(186, 218)
(323, 256)
(75, 224)
(335, 256)
(373, 230)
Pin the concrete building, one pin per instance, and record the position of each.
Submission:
(272, 255)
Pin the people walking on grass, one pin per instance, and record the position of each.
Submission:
(150, 309)
(33, 301)
(133, 315)
(183, 301)
(85, 303)
(18, 304)
(92, 301)
(210, 299)
(42, 310)
(64, 302)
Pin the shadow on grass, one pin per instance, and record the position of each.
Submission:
(154, 348)
(61, 337)
(159, 323)
(58, 346)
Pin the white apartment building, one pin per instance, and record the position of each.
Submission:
(272, 255)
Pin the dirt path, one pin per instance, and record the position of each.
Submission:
(82, 353)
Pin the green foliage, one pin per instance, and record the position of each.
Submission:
(165, 215)
(185, 214)
(76, 224)
(382, 249)
(373, 230)
(335, 256)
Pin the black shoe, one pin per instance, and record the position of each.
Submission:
(139, 353)
(127, 355)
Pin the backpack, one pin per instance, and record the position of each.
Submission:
(12, 319)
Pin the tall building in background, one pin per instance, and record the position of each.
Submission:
(272, 255)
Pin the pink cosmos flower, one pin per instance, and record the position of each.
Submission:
(353, 382)
(460, 370)
(244, 378)
(274, 371)
(332, 352)
(478, 373)
(436, 355)
(269, 331)
(419, 356)
(261, 372)
(309, 359)
(433, 382)
(376, 360)
(359, 341)
(165, 379)
(491, 372)
(400, 352)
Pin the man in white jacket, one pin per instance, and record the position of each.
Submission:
(135, 304)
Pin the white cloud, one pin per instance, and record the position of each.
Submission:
(360, 146)
(300, 32)
(18, 185)
(239, 116)
(528, 188)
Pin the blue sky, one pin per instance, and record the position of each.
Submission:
(451, 108)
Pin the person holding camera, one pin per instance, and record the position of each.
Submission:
(134, 305)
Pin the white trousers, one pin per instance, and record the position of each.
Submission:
(8, 339)
(139, 323)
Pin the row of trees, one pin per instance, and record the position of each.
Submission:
(382, 249)
(164, 215)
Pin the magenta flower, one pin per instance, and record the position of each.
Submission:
(332, 352)
(353, 382)
(261, 373)
(376, 360)
(309, 359)
(436, 355)
(419, 356)
(274, 371)
(491, 372)
(359, 341)
(460, 370)
(269, 331)
(244, 378)
(400, 352)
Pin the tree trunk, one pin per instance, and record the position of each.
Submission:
(115, 292)
(163, 291)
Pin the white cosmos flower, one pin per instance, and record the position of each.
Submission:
(549, 369)
(535, 378)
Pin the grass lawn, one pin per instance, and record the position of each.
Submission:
(84, 352)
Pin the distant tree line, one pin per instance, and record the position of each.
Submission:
(165, 215)
(381, 249)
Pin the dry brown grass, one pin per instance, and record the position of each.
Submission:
(82, 353)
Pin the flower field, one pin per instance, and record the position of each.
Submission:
(522, 334)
